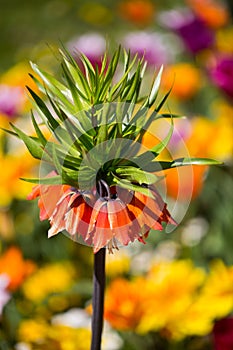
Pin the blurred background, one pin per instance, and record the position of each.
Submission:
(175, 292)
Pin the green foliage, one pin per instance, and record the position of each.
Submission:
(88, 116)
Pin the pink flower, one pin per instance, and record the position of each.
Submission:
(4, 295)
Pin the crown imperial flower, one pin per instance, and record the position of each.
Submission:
(102, 188)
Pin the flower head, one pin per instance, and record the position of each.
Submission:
(12, 100)
(194, 33)
(118, 218)
(15, 267)
(221, 73)
(103, 185)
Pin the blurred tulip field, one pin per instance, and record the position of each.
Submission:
(176, 291)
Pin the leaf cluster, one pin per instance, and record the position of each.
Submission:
(97, 122)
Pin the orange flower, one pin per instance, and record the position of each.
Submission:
(213, 13)
(180, 185)
(137, 11)
(123, 303)
(13, 264)
(186, 80)
(119, 217)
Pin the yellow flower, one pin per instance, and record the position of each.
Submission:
(69, 337)
(169, 289)
(211, 137)
(153, 302)
(195, 320)
(117, 264)
(218, 289)
(15, 167)
(54, 278)
(38, 332)
(32, 330)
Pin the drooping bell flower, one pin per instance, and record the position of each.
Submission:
(101, 221)
(102, 190)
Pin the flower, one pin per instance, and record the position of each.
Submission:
(118, 218)
(156, 301)
(93, 45)
(117, 264)
(221, 72)
(194, 33)
(15, 267)
(223, 334)
(213, 13)
(15, 167)
(137, 11)
(123, 303)
(102, 189)
(219, 294)
(154, 47)
(64, 332)
(186, 80)
(12, 100)
(4, 295)
(51, 278)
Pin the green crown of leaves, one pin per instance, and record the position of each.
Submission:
(98, 119)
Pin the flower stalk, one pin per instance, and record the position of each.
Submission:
(98, 299)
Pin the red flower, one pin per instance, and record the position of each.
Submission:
(119, 217)
(223, 334)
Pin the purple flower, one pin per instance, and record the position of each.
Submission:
(195, 35)
(12, 99)
(221, 74)
(223, 334)
(93, 45)
(154, 47)
(4, 295)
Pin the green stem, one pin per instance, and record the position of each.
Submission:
(98, 299)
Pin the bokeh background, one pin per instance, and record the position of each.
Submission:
(175, 292)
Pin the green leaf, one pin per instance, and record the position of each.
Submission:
(32, 144)
(9, 132)
(60, 91)
(131, 186)
(163, 165)
(42, 106)
(38, 131)
(76, 73)
(155, 88)
(52, 180)
(164, 99)
(136, 175)
(146, 157)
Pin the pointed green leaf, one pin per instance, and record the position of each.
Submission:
(131, 186)
(39, 133)
(136, 175)
(42, 106)
(52, 180)
(32, 144)
(163, 165)
(155, 88)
